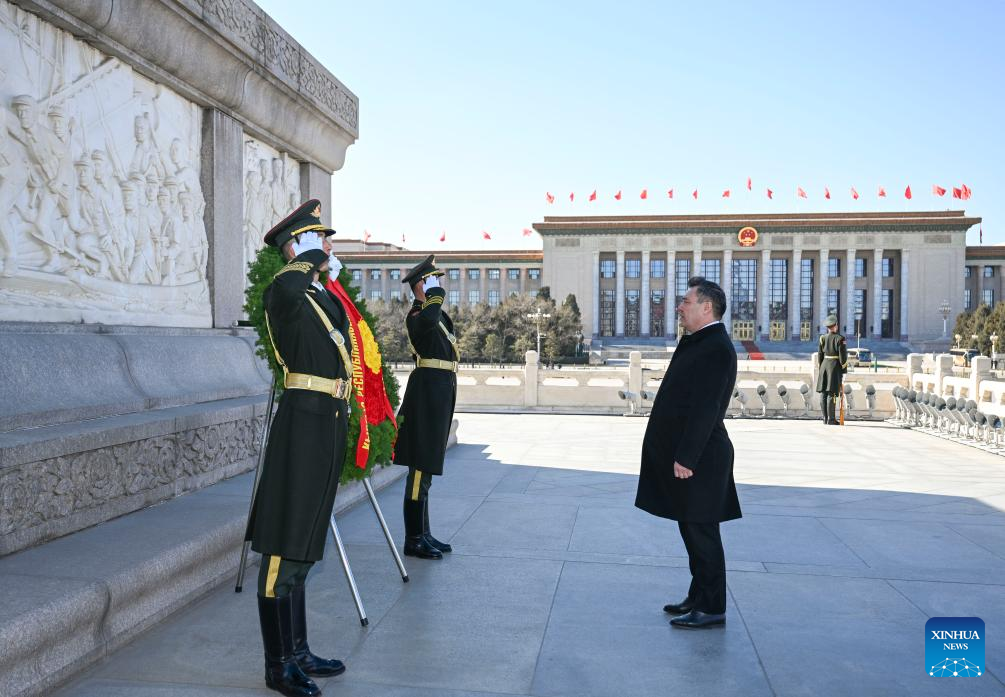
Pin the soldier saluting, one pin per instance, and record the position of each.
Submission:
(306, 447)
(428, 406)
(832, 357)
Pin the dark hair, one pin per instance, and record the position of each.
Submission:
(709, 292)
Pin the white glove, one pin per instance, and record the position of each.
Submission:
(430, 282)
(306, 241)
(334, 265)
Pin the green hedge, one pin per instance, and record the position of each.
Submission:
(267, 263)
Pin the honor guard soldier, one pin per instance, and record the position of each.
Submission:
(428, 406)
(832, 355)
(305, 449)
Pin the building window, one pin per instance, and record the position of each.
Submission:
(778, 289)
(657, 268)
(534, 274)
(532, 293)
(988, 297)
(513, 274)
(395, 274)
(968, 271)
(744, 293)
(657, 313)
(493, 274)
(632, 312)
(806, 290)
(357, 274)
(858, 311)
(989, 272)
(833, 267)
(374, 274)
(859, 268)
(607, 268)
(454, 274)
(493, 298)
(633, 267)
(474, 297)
(711, 270)
(375, 295)
(967, 299)
(396, 295)
(682, 272)
(454, 297)
(887, 267)
(834, 303)
(886, 314)
(607, 312)
(474, 274)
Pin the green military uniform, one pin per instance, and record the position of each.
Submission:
(427, 409)
(832, 355)
(304, 454)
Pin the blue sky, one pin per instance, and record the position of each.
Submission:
(471, 111)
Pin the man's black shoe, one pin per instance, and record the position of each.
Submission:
(696, 619)
(282, 673)
(419, 547)
(682, 608)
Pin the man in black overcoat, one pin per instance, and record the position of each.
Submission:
(687, 457)
(428, 406)
(832, 364)
(306, 446)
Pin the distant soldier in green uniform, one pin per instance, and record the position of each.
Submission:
(428, 406)
(832, 357)
(306, 446)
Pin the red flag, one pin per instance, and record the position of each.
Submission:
(549, 197)
(527, 232)
(854, 194)
(403, 238)
(593, 196)
(725, 194)
(800, 193)
(938, 190)
(749, 184)
(957, 193)
(827, 192)
(443, 236)
(572, 196)
(771, 194)
(366, 237)
(486, 236)
(617, 196)
(644, 194)
(966, 192)
(670, 193)
(695, 194)
(881, 193)
(907, 192)
(981, 229)
(367, 377)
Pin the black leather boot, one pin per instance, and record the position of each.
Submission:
(833, 416)
(308, 662)
(442, 546)
(825, 406)
(416, 544)
(281, 670)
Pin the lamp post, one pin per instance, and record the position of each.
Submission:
(944, 310)
(858, 334)
(537, 316)
(994, 351)
(958, 339)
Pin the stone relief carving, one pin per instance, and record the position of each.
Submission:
(284, 56)
(271, 192)
(101, 208)
(40, 492)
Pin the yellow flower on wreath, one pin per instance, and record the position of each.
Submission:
(371, 353)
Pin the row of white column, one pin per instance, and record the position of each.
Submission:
(822, 277)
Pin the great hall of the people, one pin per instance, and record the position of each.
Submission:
(885, 275)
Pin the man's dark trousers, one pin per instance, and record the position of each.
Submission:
(707, 562)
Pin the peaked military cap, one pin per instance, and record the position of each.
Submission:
(424, 268)
(306, 218)
(831, 320)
